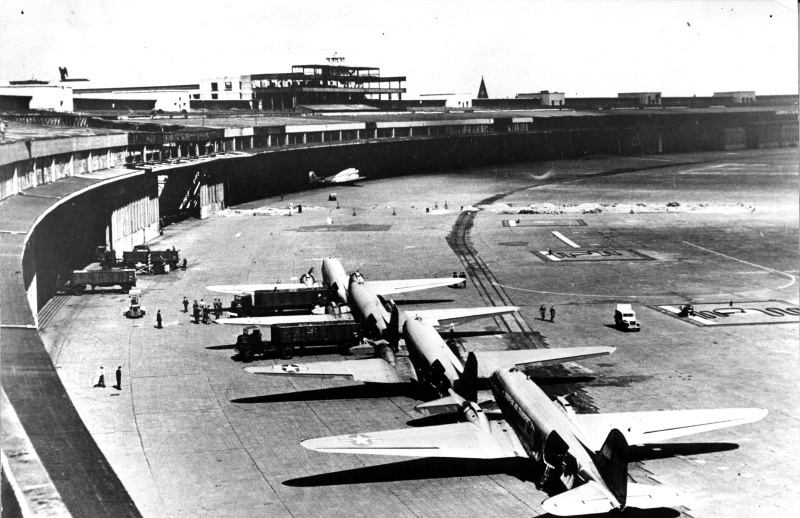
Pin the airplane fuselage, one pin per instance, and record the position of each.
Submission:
(334, 276)
(368, 309)
(425, 348)
(533, 416)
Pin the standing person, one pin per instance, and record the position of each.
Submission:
(118, 386)
(196, 312)
(158, 319)
(552, 313)
(2, 130)
(542, 310)
(101, 378)
(205, 313)
(218, 308)
(184, 263)
(185, 305)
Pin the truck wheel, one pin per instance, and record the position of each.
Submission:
(287, 351)
(248, 355)
(344, 348)
(126, 289)
(79, 289)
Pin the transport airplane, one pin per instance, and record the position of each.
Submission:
(430, 362)
(365, 299)
(588, 453)
(334, 277)
(349, 175)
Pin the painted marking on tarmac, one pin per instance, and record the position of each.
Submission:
(743, 313)
(792, 277)
(593, 254)
(565, 239)
(564, 293)
(544, 223)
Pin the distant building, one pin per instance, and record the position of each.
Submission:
(644, 98)
(738, 97)
(168, 98)
(545, 97)
(36, 95)
(333, 83)
(482, 93)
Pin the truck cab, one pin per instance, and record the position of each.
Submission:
(242, 304)
(625, 318)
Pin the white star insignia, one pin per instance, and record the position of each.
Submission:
(290, 368)
(360, 439)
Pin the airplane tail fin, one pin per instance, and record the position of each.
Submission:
(395, 328)
(612, 463)
(312, 178)
(469, 378)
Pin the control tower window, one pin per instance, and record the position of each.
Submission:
(213, 87)
(228, 86)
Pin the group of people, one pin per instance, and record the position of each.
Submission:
(543, 311)
(203, 309)
(101, 381)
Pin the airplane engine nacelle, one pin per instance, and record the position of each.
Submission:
(472, 413)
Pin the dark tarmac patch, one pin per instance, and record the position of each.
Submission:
(514, 243)
(355, 227)
(571, 255)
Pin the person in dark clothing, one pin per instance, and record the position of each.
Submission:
(552, 313)
(118, 386)
(196, 312)
(205, 313)
(101, 379)
(185, 305)
(184, 263)
(542, 311)
(158, 319)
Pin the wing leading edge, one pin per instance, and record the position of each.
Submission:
(459, 440)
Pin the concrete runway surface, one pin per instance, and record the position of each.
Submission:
(192, 434)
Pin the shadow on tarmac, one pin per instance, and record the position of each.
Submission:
(365, 391)
(421, 469)
(666, 451)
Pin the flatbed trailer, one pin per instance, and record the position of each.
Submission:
(95, 277)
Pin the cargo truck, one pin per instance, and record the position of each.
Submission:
(625, 318)
(95, 277)
(344, 333)
(266, 302)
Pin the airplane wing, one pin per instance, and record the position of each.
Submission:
(283, 319)
(440, 317)
(372, 370)
(591, 499)
(649, 427)
(490, 361)
(236, 289)
(388, 288)
(459, 440)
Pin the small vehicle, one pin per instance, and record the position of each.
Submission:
(286, 337)
(686, 311)
(136, 310)
(625, 318)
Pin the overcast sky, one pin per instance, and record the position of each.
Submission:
(582, 48)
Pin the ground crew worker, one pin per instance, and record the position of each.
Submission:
(196, 311)
(185, 305)
(552, 313)
(118, 386)
(218, 308)
(101, 378)
(184, 263)
(205, 313)
(542, 311)
(158, 319)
